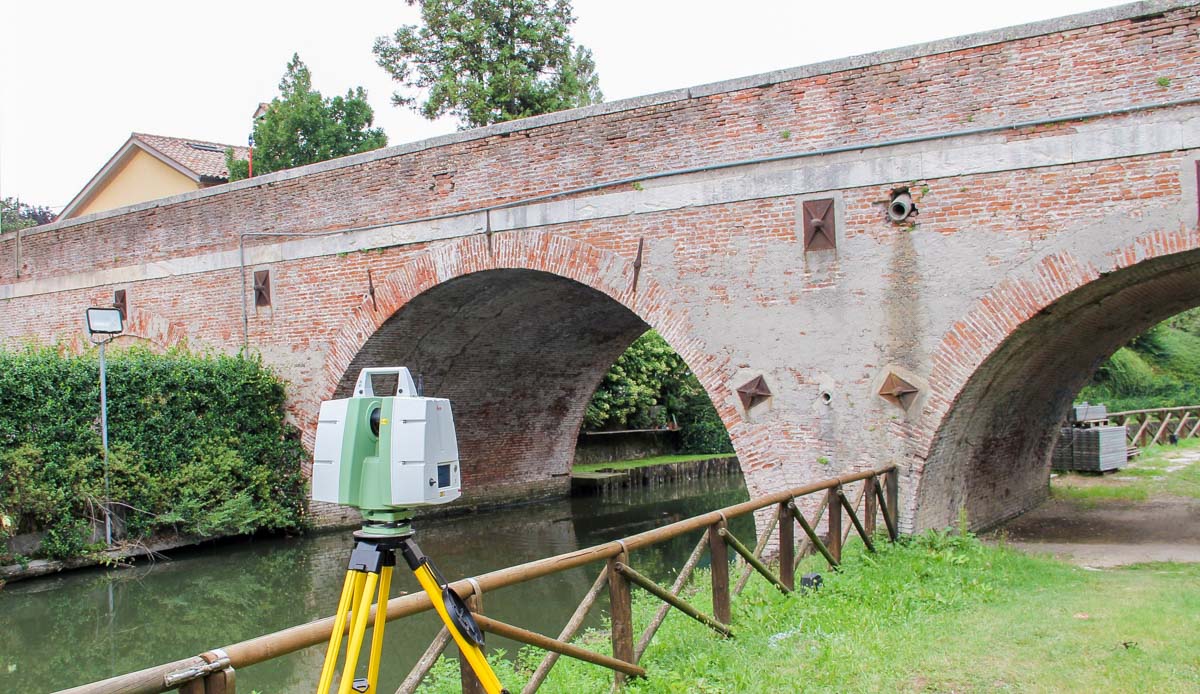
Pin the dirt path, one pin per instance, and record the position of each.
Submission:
(1113, 532)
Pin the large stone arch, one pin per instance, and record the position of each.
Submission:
(1003, 376)
(517, 331)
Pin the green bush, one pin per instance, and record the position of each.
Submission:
(1159, 368)
(650, 386)
(197, 444)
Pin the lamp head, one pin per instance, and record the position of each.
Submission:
(105, 321)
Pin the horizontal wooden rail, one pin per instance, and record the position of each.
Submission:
(1181, 408)
(256, 650)
(1158, 425)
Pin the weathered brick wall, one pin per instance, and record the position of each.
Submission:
(517, 326)
(1084, 69)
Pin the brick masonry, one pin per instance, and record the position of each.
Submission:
(503, 259)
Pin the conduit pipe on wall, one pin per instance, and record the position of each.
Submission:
(695, 170)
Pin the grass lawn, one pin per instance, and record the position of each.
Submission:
(1159, 470)
(647, 462)
(936, 613)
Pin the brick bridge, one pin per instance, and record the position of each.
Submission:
(1053, 167)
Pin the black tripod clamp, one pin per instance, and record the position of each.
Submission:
(371, 555)
(456, 608)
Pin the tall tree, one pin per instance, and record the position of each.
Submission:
(487, 61)
(302, 127)
(15, 214)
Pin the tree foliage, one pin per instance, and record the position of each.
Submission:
(488, 61)
(302, 127)
(651, 387)
(197, 445)
(17, 215)
(1159, 368)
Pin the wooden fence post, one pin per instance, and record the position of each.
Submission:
(719, 556)
(834, 510)
(621, 610)
(471, 683)
(870, 506)
(892, 482)
(223, 682)
(787, 547)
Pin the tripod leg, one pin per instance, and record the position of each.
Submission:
(335, 639)
(491, 683)
(354, 647)
(385, 585)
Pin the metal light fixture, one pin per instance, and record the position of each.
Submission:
(108, 323)
(105, 321)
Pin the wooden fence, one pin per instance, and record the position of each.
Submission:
(862, 498)
(1148, 427)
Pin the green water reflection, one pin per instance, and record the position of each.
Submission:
(67, 630)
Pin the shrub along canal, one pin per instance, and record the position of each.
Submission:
(72, 628)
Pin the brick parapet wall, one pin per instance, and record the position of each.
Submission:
(1040, 76)
(723, 275)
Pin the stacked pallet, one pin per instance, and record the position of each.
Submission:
(1090, 449)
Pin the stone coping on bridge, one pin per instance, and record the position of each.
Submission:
(1168, 130)
(946, 45)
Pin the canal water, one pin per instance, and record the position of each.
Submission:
(66, 630)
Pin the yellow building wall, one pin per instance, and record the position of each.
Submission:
(141, 178)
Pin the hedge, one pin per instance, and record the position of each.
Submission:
(197, 445)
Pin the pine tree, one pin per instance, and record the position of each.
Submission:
(488, 61)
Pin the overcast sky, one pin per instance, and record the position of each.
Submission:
(79, 77)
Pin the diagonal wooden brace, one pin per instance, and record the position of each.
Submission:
(532, 638)
(676, 602)
(887, 516)
(812, 534)
(862, 532)
(752, 560)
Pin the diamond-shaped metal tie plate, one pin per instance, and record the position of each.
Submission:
(898, 391)
(820, 232)
(753, 392)
(262, 288)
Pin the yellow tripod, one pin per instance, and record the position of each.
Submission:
(368, 579)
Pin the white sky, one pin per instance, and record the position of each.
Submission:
(76, 78)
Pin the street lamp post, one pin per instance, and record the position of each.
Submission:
(107, 323)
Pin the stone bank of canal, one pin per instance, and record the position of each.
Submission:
(72, 628)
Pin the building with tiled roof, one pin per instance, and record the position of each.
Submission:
(148, 167)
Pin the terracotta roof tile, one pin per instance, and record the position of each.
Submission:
(203, 158)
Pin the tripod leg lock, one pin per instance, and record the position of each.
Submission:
(413, 554)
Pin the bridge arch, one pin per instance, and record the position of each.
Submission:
(1003, 377)
(517, 332)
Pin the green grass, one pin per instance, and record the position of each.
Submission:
(647, 462)
(937, 613)
(1129, 492)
